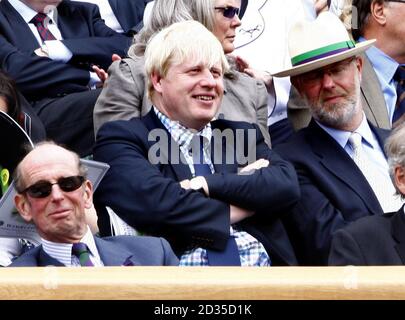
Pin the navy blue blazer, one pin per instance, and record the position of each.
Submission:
(113, 251)
(84, 33)
(374, 240)
(149, 197)
(129, 13)
(334, 192)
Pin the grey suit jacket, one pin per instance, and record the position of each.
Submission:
(372, 100)
(125, 96)
(113, 251)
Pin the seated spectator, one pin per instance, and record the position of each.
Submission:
(123, 16)
(164, 181)
(49, 48)
(53, 192)
(125, 96)
(383, 63)
(15, 105)
(339, 158)
(383, 20)
(379, 239)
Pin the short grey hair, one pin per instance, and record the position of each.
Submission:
(18, 178)
(395, 149)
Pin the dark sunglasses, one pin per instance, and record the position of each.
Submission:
(228, 12)
(43, 189)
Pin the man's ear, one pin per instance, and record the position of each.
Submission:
(400, 179)
(296, 82)
(359, 65)
(23, 207)
(156, 79)
(378, 12)
(88, 194)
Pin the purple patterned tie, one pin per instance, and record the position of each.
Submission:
(43, 31)
(399, 113)
(82, 253)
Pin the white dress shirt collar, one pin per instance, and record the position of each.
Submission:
(383, 63)
(341, 136)
(28, 13)
(63, 251)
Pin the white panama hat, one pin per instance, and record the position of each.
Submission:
(318, 43)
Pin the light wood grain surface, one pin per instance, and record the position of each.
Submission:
(189, 283)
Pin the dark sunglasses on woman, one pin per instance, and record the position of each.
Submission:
(228, 12)
(42, 189)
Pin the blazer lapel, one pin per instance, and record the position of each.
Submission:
(374, 104)
(113, 255)
(23, 34)
(398, 232)
(381, 135)
(122, 11)
(338, 162)
(71, 24)
(114, 6)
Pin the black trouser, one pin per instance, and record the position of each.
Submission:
(68, 120)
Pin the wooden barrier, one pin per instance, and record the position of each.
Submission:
(189, 283)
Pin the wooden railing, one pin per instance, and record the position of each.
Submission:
(188, 283)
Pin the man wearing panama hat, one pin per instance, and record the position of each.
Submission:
(375, 96)
(336, 153)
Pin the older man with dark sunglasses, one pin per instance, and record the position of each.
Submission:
(54, 193)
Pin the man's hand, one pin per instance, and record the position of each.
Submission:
(239, 214)
(258, 164)
(41, 52)
(101, 73)
(115, 57)
(185, 184)
(196, 183)
(265, 76)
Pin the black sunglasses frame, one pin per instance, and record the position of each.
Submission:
(43, 189)
(229, 11)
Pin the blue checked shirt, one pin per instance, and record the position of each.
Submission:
(251, 251)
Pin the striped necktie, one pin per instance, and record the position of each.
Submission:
(399, 113)
(82, 253)
(39, 22)
(381, 184)
(230, 255)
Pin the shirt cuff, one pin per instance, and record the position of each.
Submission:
(94, 80)
(57, 51)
